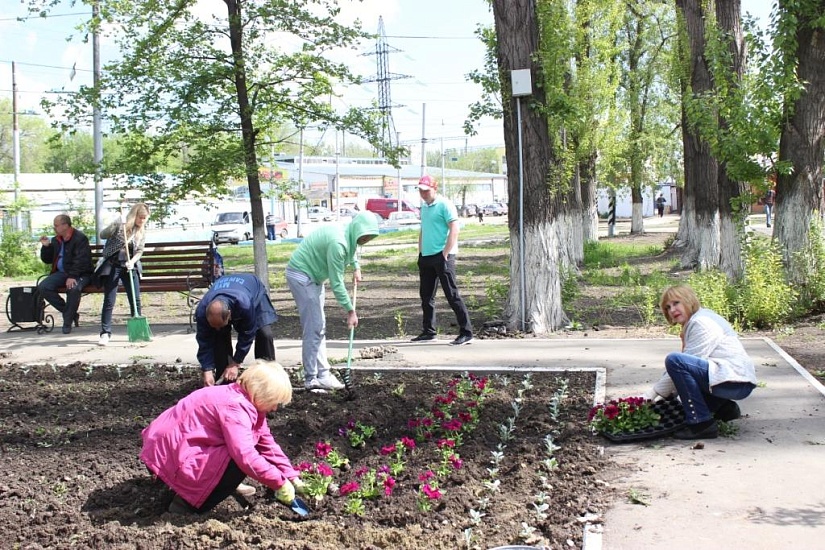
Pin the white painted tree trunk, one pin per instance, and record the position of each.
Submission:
(637, 222)
(543, 311)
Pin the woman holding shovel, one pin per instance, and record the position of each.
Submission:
(120, 264)
(204, 446)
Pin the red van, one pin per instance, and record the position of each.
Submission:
(383, 207)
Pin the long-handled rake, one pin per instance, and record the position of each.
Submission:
(348, 373)
(137, 327)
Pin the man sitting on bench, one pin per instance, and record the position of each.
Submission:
(70, 256)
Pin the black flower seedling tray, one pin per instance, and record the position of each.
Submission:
(671, 414)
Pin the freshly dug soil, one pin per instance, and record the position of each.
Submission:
(72, 478)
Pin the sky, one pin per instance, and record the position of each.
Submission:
(437, 49)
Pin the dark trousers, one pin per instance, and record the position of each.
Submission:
(110, 284)
(270, 232)
(231, 478)
(264, 347)
(68, 307)
(432, 269)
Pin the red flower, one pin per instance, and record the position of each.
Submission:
(446, 443)
(432, 493)
(306, 467)
(348, 488)
(424, 476)
(388, 450)
(322, 449)
(389, 484)
(456, 462)
(408, 442)
(324, 469)
(361, 471)
(452, 426)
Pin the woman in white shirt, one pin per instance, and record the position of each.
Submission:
(710, 372)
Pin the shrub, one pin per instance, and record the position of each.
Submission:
(809, 265)
(764, 298)
(18, 255)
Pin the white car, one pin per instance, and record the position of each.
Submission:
(232, 227)
(318, 213)
(402, 219)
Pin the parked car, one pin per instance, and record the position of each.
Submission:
(232, 227)
(466, 211)
(281, 227)
(494, 209)
(403, 219)
(383, 207)
(318, 213)
(346, 212)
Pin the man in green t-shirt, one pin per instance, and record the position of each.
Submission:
(437, 248)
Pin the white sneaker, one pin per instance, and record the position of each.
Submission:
(312, 384)
(245, 490)
(329, 382)
(104, 339)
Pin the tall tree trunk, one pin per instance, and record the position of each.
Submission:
(517, 31)
(590, 212)
(698, 234)
(636, 49)
(731, 212)
(799, 194)
(249, 136)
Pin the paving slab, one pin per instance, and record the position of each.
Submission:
(762, 488)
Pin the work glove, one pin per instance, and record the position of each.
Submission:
(130, 265)
(663, 387)
(286, 494)
(300, 486)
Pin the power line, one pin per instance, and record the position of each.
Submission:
(23, 19)
(46, 66)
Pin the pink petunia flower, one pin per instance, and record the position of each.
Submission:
(424, 476)
(322, 449)
(432, 493)
(348, 488)
(389, 484)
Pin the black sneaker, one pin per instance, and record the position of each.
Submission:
(462, 340)
(703, 430)
(727, 412)
(424, 337)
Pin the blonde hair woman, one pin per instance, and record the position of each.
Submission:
(116, 267)
(205, 445)
(710, 372)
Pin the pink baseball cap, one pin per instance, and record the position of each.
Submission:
(426, 183)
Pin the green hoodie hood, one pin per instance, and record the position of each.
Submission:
(364, 223)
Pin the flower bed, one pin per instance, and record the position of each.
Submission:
(438, 462)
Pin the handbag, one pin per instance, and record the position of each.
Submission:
(102, 270)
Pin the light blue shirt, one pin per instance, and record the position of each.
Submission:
(435, 226)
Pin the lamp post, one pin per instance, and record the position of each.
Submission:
(521, 86)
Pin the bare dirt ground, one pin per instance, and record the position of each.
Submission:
(71, 437)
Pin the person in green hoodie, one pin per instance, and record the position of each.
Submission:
(324, 256)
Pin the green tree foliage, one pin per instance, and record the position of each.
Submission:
(34, 133)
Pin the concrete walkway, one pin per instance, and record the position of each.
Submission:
(761, 489)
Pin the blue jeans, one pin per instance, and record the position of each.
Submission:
(434, 269)
(110, 284)
(68, 307)
(690, 376)
(768, 211)
(309, 297)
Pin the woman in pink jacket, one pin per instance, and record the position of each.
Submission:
(205, 445)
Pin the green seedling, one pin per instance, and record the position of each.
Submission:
(637, 497)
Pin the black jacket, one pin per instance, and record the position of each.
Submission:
(77, 255)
